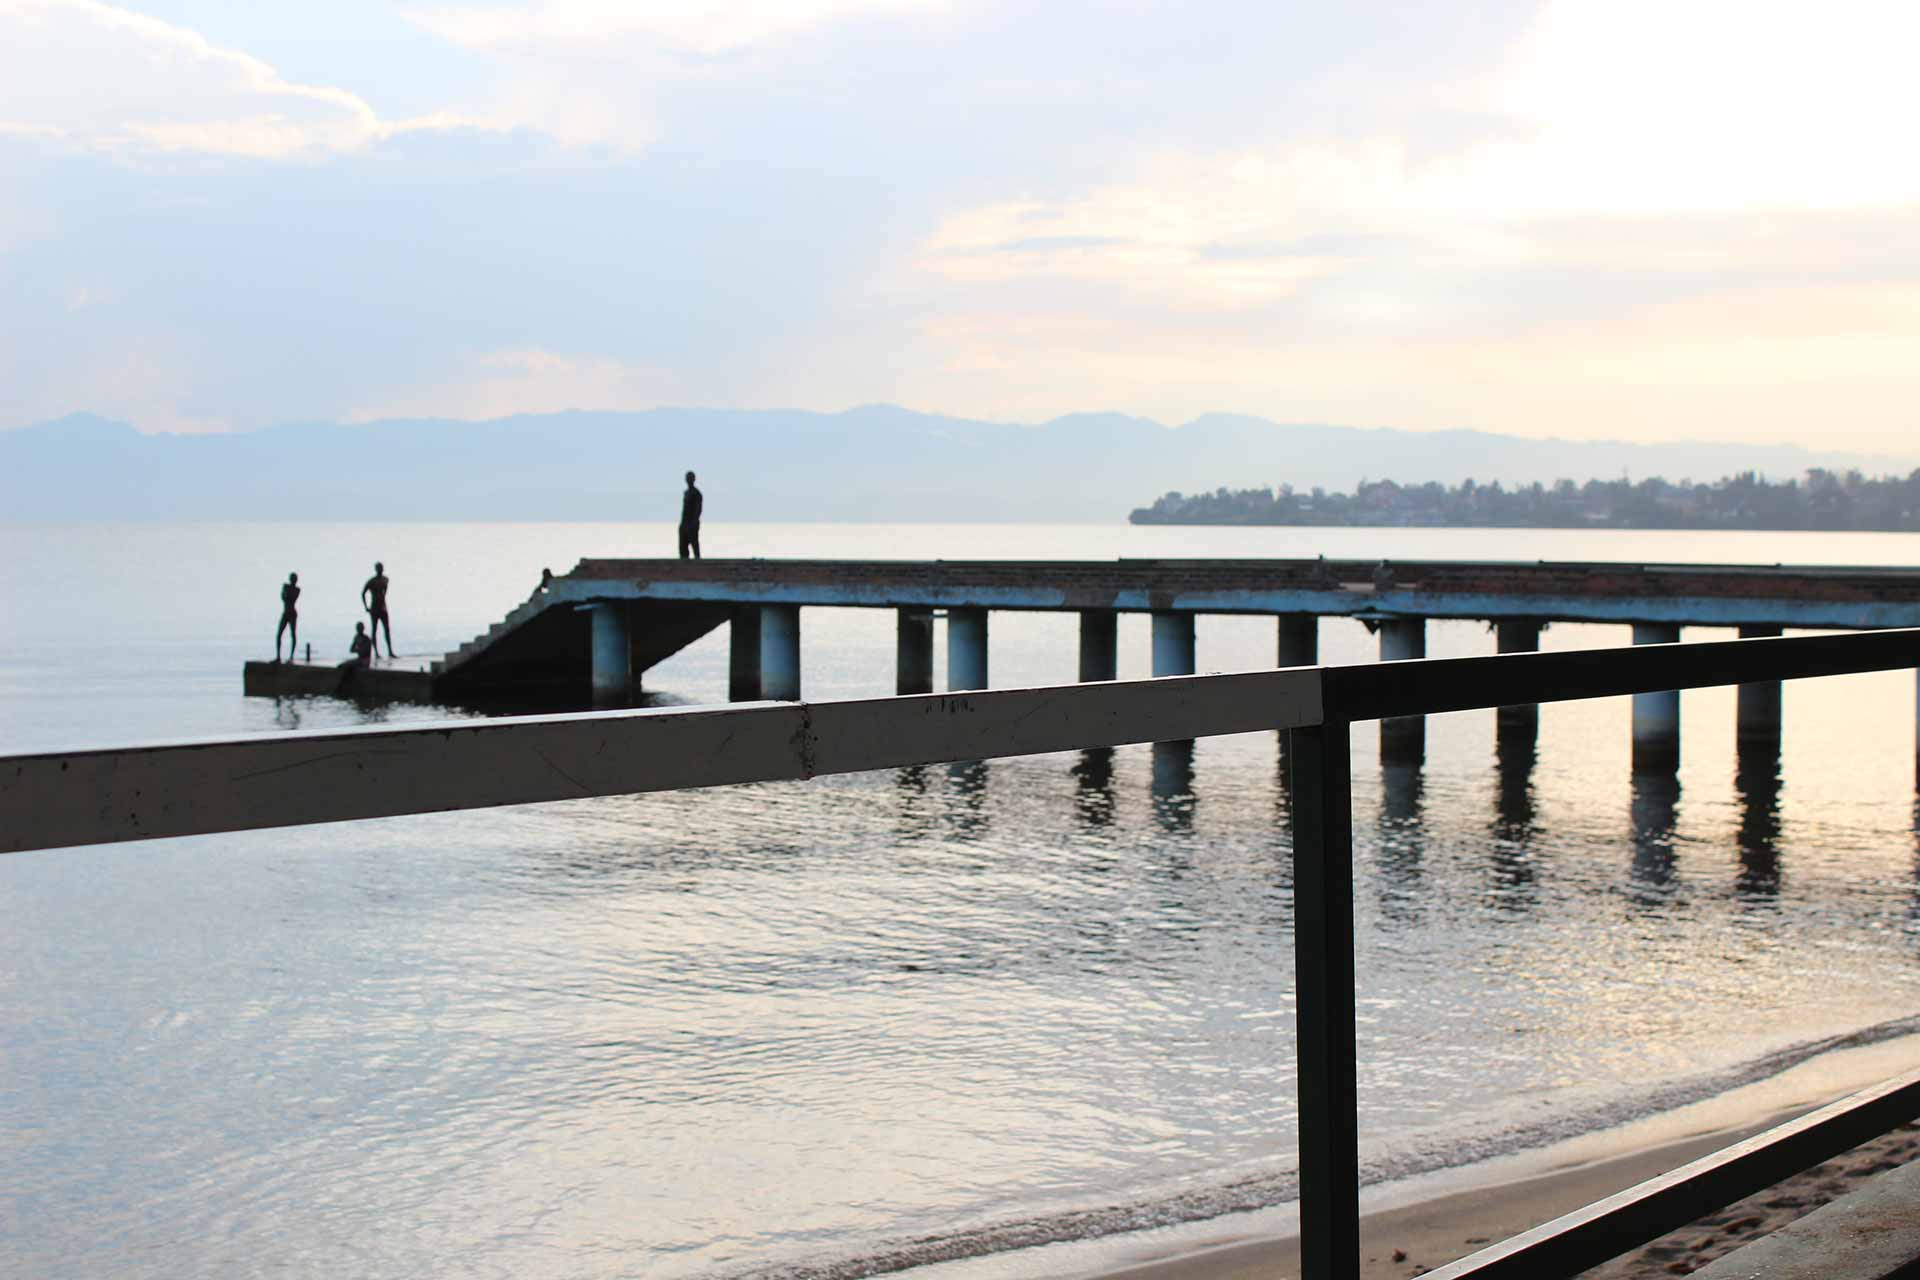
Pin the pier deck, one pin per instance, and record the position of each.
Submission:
(590, 634)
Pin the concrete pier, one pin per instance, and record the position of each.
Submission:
(1757, 720)
(913, 667)
(743, 654)
(780, 652)
(1299, 636)
(1403, 738)
(966, 649)
(1656, 716)
(1099, 644)
(1172, 644)
(1517, 635)
(612, 654)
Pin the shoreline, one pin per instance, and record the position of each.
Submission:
(1424, 1222)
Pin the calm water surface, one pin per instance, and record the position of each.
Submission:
(875, 1018)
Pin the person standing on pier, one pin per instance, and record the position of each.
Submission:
(289, 618)
(373, 598)
(690, 505)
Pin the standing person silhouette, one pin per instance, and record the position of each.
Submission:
(373, 598)
(690, 504)
(289, 618)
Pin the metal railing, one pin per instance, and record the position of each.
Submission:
(87, 797)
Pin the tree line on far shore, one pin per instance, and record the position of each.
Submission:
(1819, 500)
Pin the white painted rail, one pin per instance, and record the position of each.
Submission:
(234, 784)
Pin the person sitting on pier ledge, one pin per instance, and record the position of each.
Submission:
(362, 647)
(690, 504)
(289, 618)
(373, 598)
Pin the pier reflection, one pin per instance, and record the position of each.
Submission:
(967, 790)
(1173, 795)
(1654, 811)
(917, 816)
(1756, 780)
(1093, 787)
(1403, 841)
(1516, 752)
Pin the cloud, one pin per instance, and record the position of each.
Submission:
(499, 384)
(697, 26)
(108, 78)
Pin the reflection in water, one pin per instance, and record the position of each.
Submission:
(1656, 802)
(1093, 787)
(967, 784)
(1757, 781)
(1516, 750)
(1403, 841)
(1283, 790)
(286, 712)
(1173, 797)
(916, 816)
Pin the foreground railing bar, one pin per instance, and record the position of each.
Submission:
(137, 793)
(1607, 1228)
(1379, 690)
(1329, 1138)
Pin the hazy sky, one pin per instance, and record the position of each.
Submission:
(1616, 218)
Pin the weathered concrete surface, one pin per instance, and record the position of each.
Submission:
(1701, 595)
(386, 683)
(1870, 1234)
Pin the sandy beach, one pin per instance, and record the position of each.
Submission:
(1409, 1230)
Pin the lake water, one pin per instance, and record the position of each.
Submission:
(832, 1027)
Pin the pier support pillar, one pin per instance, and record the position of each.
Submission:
(780, 652)
(1656, 716)
(966, 649)
(1403, 739)
(612, 654)
(1099, 645)
(1172, 644)
(1299, 640)
(1517, 635)
(743, 654)
(913, 668)
(1757, 721)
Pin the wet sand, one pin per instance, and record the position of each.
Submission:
(1426, 1228)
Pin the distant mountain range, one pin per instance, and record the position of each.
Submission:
(878, 463)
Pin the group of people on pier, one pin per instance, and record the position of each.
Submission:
(365, 644)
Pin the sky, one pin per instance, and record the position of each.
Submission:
(1582, 218)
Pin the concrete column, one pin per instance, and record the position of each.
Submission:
(966, 649)
(1172, 644)
(780, 652)
(1099, 645)
(913, 667)
(743, 654)
(1757, 722)
(1403, 739)
(1517, 635)
(1299, 640)
(612, 654)
(1656, 716)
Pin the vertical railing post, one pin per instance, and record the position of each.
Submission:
(1323, 1001)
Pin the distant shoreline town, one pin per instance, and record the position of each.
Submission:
(1821, 500)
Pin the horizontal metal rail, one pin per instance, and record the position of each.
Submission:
(61, 799)
(236, 784)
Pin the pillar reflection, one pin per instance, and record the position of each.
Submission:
(1655, 809)
(1173, 796)
(1093, 787)
(1756, 781)
(1516, 752)
(967, 790)
(1403, 841)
